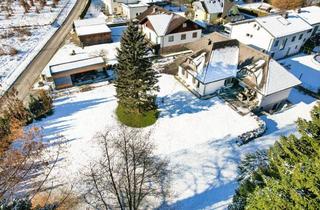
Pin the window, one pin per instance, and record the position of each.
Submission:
(276, 43)
(293, 39)
(254, 25)
(309, 31)
(300, 37)
(184, 25)
(193, 80)
(183, 36)
(248, 34)
(171, 38)
(183, 72)
(296, 47)
(198, 84)
(194, 35)
(283, 44)
(272, 54)
(258, 28)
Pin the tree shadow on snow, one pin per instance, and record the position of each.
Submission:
(60, 121)
(220, 187)
(182, 102)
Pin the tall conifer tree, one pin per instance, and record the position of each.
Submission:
(136, 83)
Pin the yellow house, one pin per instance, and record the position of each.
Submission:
(207, 10)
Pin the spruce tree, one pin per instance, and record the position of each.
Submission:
(291, 179)
(136, 83)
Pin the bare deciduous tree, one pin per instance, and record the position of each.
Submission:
(129, 174)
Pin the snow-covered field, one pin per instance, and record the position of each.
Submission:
(306, 69)
(196, 135)
(40, 28)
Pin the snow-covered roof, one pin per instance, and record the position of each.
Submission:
(160, 23)
(310, 14)
(62, 67)
(95, 29)
(279, 26)
(91, 26)
(279, 79)
(223, 64)
(214, 6)
(136, 5)
(89, 22)
(209, 6)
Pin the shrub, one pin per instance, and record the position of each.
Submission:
(136, 120)
(41, 105)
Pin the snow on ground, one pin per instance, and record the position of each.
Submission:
(44, 26)
(196, 135)
(306, 69)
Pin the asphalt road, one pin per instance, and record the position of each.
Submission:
(30, 75)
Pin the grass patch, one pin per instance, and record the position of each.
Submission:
(136, 120)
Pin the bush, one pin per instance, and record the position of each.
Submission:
(41, 105)
(136, 120)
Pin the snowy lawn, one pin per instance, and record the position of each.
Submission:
(306, 69)
(196, 135)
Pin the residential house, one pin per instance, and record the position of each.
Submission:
(207, 10)
(165, 29)
(312, 16)
(223, 63)
(207, 72)
(92, 31)
(115, 6)
(131, 11)
(277, 35)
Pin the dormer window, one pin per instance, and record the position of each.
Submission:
(184, 25)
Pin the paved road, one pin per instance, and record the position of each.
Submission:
(30, 75)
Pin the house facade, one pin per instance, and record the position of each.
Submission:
(115, 6)
(167, 29)
(207, 10)
(131, 11)
(282, 35)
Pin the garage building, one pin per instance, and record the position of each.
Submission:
(78, 72)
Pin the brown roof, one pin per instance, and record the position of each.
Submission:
(175, 25)
(153, 10)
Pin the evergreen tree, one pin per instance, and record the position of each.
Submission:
(136, 83)
(291, 180)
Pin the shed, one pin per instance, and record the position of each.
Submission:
(75, 72)
(92, 31)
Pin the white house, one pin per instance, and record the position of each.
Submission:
(115, 6)
(254, 78)
(270, 82)
(312, 16)
(277, 35)
(207, 72)
(169, 29)
(131, 11)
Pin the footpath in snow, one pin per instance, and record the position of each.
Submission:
(196, 135)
